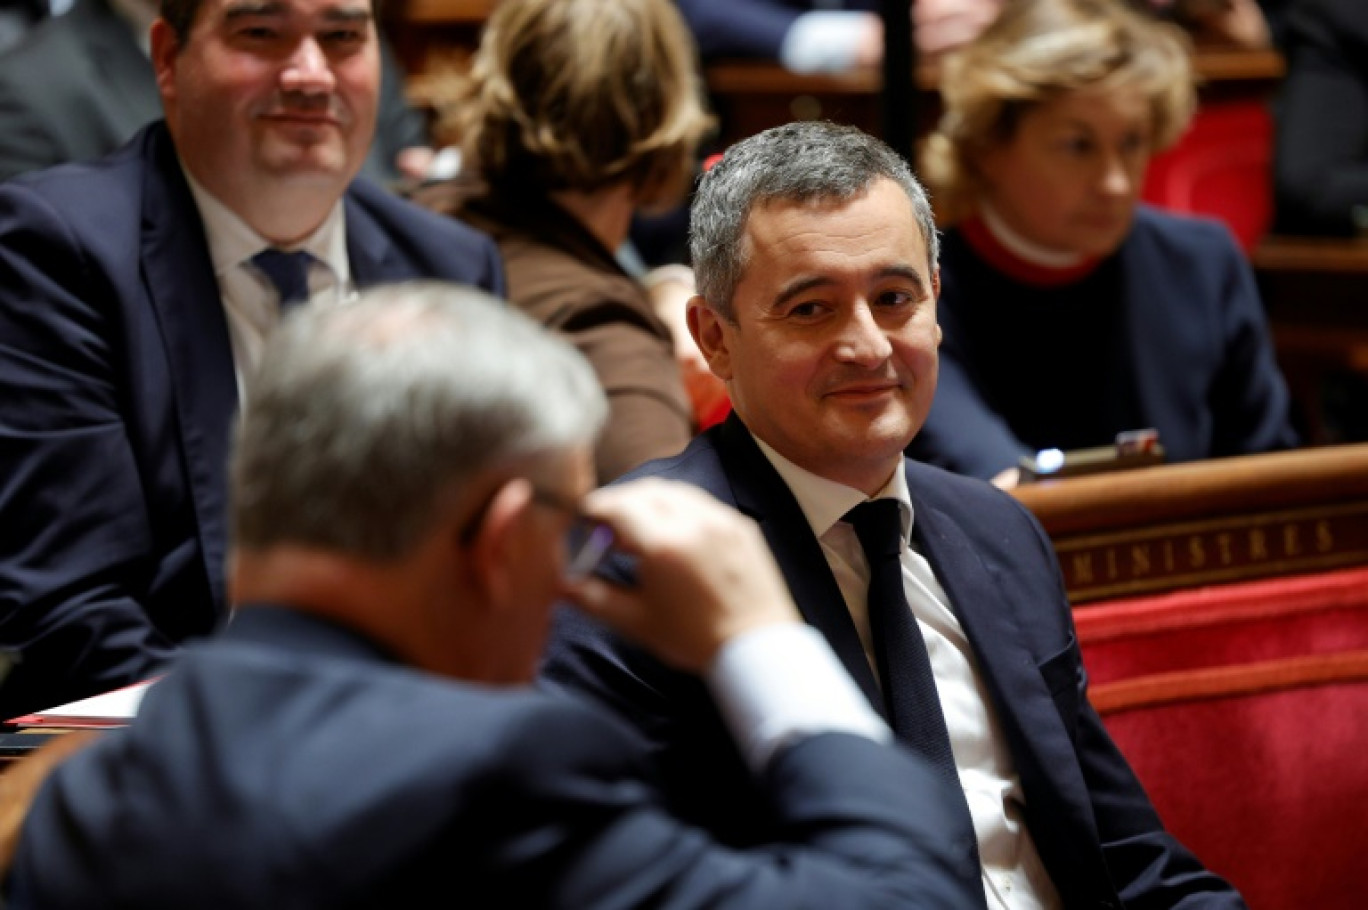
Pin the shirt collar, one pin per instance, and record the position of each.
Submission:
(232, 241)
(1025, 249)
(825, 502)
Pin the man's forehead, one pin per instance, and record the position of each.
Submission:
(774, 220)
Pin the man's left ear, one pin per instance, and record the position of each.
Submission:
(493, 550)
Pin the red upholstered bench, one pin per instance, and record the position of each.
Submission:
(1244, 710)
(1222, 611)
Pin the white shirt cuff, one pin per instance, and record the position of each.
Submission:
(782, 682)
(823, 41)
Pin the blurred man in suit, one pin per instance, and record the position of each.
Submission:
(815, 252)
(80, 84)
(136, 291)
(826, 35)
(362, 735)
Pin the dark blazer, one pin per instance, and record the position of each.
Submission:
(750, 28)
(289, 763)
(562, 276)
(78, 86)
(1092, 824)
(117, 395)
(1168, 332)
(1321, 156)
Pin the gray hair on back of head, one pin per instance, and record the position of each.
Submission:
(798, 162)
(366, 420)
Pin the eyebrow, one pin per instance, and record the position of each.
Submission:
(249, 9)
(803, 285)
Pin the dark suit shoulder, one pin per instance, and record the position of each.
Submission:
(699, 464)
(1181, 236)
(485, 730)
(957, 493)
(429, 245)
(329, 778)
(399, 214)
(112, 183)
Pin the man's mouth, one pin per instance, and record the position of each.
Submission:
(863, 389)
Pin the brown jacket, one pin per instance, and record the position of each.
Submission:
(559, 274)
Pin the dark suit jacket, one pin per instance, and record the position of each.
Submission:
(288, 763)
(117, 395)
(78, 86)
(1321, 156)
(562, 276)
(1095, 830)
(750, 28)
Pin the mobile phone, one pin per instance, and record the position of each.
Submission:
(1131, 449)
(593, 547)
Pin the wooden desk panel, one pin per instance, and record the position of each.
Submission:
(1175, 526)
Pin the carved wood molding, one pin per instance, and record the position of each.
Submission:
(1176, 526)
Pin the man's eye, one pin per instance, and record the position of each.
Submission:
(805, 309)
(893, 299)
(344, 36)
(257, 33)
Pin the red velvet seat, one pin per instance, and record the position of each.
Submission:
(1221, 167)
(1222, 611)
(1243, 708)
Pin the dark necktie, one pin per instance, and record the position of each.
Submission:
(909, 686)
(289, 272)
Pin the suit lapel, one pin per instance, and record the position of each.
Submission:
(369, 250)
(762, 494)
(989, 621)
(179, 279)
(1042, 749)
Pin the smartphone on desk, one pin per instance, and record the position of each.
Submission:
(1131, 449)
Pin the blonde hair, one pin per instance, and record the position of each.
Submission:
(1036, 51)
(583, 94)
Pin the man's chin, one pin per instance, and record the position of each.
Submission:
(321, 161)
(889, 430)
(310, 172)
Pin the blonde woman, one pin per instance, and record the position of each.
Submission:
(1070, 311)
(576, 114)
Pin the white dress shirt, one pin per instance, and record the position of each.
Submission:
(1013, 876)
(779, 683)
(251, 303)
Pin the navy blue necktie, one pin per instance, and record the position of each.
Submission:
(909, 685)
(289, 272)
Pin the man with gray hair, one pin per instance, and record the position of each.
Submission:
(361, 735)
(815, 253)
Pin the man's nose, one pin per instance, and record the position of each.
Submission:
(863, 341)
(308, 69)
